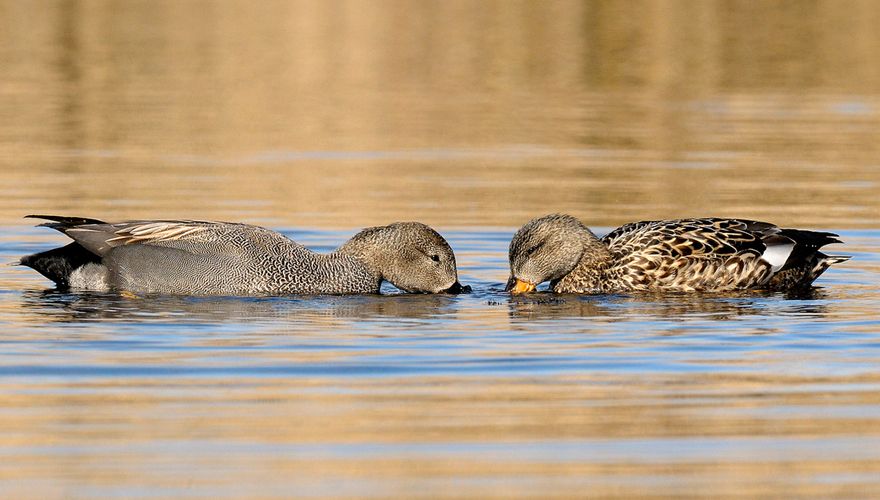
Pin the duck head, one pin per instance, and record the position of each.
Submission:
(545, 249)
(409, 255)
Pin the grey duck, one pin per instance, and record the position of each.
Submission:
(222, 258)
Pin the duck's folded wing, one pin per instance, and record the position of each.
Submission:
(714, 254)
(697, 238)
(198, 237)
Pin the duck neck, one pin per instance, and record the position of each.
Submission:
(589, 273)
(333, 273)
(364, 248)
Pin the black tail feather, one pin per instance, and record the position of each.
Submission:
(815, 239)
(58, 263)
(807, 244)
(60, 222)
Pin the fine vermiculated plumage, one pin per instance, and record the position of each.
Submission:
(711, 254)
(223, 258)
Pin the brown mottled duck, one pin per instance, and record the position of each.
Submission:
(712, 254)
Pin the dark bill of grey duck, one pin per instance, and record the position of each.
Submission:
(188, 257)
(683, 255)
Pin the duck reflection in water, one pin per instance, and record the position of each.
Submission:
(665, 306)
(66, 306)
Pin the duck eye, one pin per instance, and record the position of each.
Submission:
(435, 257)
(534, 249)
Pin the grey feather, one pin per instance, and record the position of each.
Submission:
(222, 258)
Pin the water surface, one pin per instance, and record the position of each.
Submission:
(320, 118)
(484, 393)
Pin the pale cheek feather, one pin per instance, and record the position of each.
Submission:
(777, 255)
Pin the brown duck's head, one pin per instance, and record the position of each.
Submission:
(545, 249)
(409, 255)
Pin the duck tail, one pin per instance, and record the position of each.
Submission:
(823, 262)
(61, 223)
(810, 239)
(805, 263)
(806, 248)
(57, 264)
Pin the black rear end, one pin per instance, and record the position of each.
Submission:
(58, 263)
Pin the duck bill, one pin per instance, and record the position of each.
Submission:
(457, 288)
(517, 286)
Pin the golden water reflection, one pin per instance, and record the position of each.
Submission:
(473, 117)
(440, 432)
(456, 113)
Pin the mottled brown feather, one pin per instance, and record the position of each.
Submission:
(707, 254)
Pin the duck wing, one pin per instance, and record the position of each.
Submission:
(708, 254)
(189, 256)
(699, 237)
(193, 236)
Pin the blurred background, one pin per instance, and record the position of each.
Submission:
(458, 113)
(321, 117)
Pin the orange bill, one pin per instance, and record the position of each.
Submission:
(521, 286)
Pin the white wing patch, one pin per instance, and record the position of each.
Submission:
(777, 254)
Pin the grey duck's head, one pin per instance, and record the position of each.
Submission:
(545, 249)
(410, 255)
